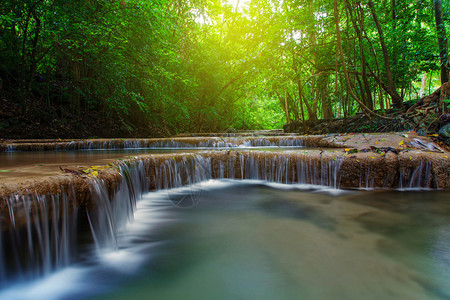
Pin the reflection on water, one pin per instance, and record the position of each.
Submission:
(20, 159)
(250, 240)
(11, 159)
(34, 164)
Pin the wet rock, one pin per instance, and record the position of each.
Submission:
(444, 134)
(421, 132)
(331, 167)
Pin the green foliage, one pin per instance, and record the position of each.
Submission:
(447, 101)
(207, 66)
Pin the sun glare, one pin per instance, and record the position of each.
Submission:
(238, 4)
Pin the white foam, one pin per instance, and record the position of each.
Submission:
(126, 260)
(54, 286)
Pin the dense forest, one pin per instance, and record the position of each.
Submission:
(142, 68)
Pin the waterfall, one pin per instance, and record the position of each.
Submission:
(181, 142)
(214, 142)
(44, 244)
(38, 233)
(47, 240)
(111, 213)
(419, 176)
(274, 167)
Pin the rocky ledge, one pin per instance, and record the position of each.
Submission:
(393, 160)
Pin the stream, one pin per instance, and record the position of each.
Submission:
(264, 223)
(257, 240)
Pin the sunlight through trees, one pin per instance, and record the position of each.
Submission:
(211, 65)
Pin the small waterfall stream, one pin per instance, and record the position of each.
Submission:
(266, 166)
(111, 213)
(49, 240)
(44, 244)
(166, 143)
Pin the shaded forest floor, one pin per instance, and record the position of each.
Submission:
(423, 117)
(422, 125)
(58, 121)
(360, 123)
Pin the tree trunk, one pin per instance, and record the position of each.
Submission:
(299, 87)
(366, 92)
(307, 104)
(293, 107)
(394, 30)
(301, 96)
(396, 99)
(314, 94)
(442, 40)
(422, 86)
(33, 60)
(288, 120)
(322, 85)
(364, 108)
(283, 103)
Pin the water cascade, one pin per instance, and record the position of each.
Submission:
(239, 134)
(113, 212)
(38, 232)
(45, 240)
(44, 243)
(274, 167)
(180, 142)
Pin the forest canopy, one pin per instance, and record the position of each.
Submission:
(204, 66)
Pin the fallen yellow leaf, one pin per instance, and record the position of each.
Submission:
(401, 143)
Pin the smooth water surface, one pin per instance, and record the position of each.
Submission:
(255, 240)
(34, 164)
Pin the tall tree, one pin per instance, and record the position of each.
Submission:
(364, 108)
(391, 88)
(442, 41)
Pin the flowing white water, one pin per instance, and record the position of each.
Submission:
(47, 242)
(44, 244)
(31, 257)
(272, 167)
(205, 142)
(253, 239)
